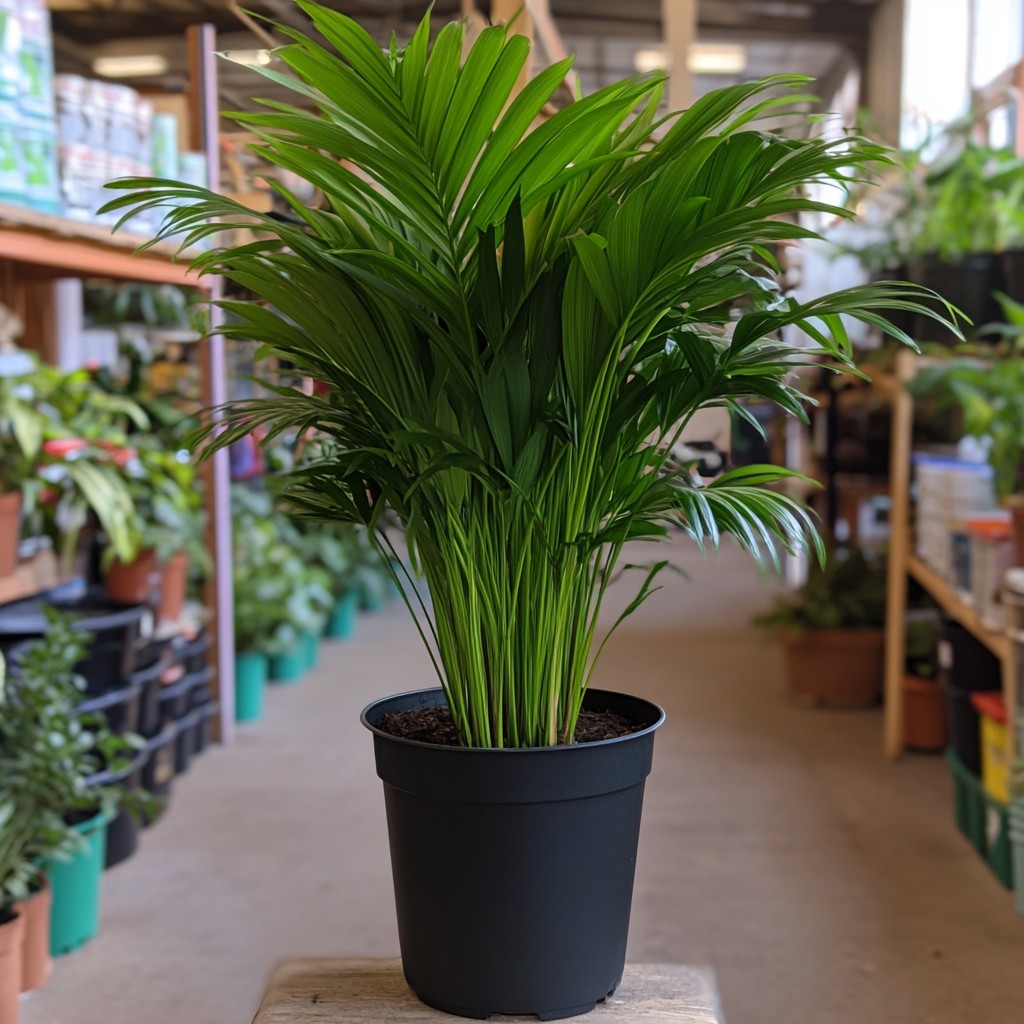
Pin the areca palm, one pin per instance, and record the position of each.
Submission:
(515, 320)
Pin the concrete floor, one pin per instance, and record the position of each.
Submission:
(822, 884)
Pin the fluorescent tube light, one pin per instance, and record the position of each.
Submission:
(717, 59)
(651, 58)
(130, 65)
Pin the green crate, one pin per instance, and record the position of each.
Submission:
(984, 820)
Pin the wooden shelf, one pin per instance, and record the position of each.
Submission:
(954, 606)
(55, 246)
(31, 577)
(904, 564)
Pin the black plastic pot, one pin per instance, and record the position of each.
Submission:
(513, 869)
(185, 742)
(968, 285)
(176, 699)
(204, 727)
(122, 708)
(193, 653)
(158, 775)
(118, 632)
(1013, 274)
(200, 692)
(148, 681)
(966, 666)
(123, 830)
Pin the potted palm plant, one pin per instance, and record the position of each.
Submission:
(512, 319)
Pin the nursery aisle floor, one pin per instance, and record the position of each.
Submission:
(824, 885)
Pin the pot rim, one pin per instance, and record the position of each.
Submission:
(586, 745)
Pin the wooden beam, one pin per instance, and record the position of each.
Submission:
(515, 14)
(680, 19)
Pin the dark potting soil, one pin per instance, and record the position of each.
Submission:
(435, 725)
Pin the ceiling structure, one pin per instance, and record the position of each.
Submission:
(809, 36)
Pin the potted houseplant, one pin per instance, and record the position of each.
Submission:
(280, 597)
(167, 524)
(832, 632)
(21, 436)
(987, 388)
(73, 474)
(511, 327)
(925, 725)
(968, 230)
(55, 763)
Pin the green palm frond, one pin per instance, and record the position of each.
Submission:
(515, 318)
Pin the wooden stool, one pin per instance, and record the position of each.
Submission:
(367, 991)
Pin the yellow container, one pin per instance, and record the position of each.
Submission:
(995, 761)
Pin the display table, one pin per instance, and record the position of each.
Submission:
(368, 991)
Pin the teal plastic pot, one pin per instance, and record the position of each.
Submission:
(394, 589)
(251, 669)
(75, 911)
(371, 598)
(342, 623)
(309, 644)
(288, 666)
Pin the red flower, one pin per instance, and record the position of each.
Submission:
(58, 447)
(122, 455)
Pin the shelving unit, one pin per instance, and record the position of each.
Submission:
(904, 564)
(37, 250)
(57, 247)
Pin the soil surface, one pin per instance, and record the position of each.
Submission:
(435, 725)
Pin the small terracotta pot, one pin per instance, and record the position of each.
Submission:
(36, 962)
(1015, 503)
(10, 527)
(925, 726)
(11, 933)
(173, 581)
(835, 668)
(136, 581)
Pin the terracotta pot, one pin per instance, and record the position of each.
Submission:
(835, 668)
(134, 582)
(1015, 503)
(925, 726)
(11, 932)
(36, 962)
(173, 581)
(10, 525)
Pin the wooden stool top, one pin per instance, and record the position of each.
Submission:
(368, 991)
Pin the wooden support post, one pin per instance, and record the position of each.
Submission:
(204, 137)
(515, 13)
(899, 550)
(680, 27)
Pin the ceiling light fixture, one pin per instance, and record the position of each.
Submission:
(717, 59)
(130, 65)
(651, 58)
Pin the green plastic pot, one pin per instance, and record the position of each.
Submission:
(251, 668)
(309, 644)
(75, 910)
(288, 666)
(342, 623)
